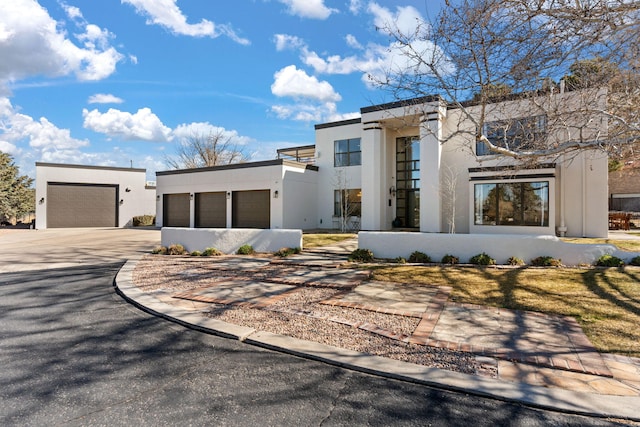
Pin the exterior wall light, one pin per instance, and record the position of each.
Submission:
(122, 201)
(392, 191)
(127, 190)
(158, 197)
(228, 194)
(41, 200)
(191, 196)
(275, 194)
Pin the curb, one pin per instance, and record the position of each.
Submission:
(579, 403)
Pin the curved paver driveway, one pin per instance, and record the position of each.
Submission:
(74, 353)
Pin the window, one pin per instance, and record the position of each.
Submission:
(347, 203)
(513, 134)
(347, 152)
(513, 203)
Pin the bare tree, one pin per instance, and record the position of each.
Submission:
(345, 201)
(200, 150)
(449, 191)
(485, 58)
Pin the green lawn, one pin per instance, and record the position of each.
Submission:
(605, 301)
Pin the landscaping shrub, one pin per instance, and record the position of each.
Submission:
(160, 250)
(546, 261)
(515, 261)
(609, 261)
(361, 255)
(419, 257)
(175, 249)
(285, 252)
(635, 261)
(211, 252)
(482, 259)
(450, 259)
(196, 253)
(245, 250)
(401, 260)
(144, 220)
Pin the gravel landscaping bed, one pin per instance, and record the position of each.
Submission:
(300, 314)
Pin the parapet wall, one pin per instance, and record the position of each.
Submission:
(499, 246)
(228, 240)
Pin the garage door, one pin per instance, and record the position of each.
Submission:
(251, 209)
(81, 205)
(211, 210)
(175, 210)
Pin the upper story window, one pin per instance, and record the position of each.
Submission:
(347, 152)
(513, 134)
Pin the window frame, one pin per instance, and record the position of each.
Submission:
(505, 133)
(351, 157)
(543, 185)
(356, 201)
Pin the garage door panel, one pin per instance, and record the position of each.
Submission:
(211, 209)
(81, 205)
(176, 210)
(251, 209)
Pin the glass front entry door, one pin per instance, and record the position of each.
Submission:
(408, 181)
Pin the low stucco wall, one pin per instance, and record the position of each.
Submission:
(499, 246)
(228, 240)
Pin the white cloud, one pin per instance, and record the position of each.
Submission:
(355, 6)
(291, 82)
(9, 148)
(167, 14)
(143, 125)
(406, 19)
(185, 131)
(42, 135)
(352, 41)
(37, 45)
(104, 98)
(285, 41)
(311, 113)
(314, 9)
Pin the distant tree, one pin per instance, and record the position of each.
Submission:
(488, 50)
(17, 198)
(203, 150)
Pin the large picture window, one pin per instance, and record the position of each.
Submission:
(347, 203)
(512, 203)
(515, 134)
(347, 152)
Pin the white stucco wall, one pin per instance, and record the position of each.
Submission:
(269, 175)
(499, 247)
(228, 240)
(139, 201)
(328, 175)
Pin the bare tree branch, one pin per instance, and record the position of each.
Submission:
(199, 150)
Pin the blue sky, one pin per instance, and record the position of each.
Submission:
(120, 82)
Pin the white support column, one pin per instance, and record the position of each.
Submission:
(430, 157)
(373, 155)
(192, 210)
(229, 196)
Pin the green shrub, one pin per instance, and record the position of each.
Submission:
(361, 255)
(211, 252)
(401, 260)
(419, 257)
(635, 261)
(515, 261)
(176, 249)
(609, 261)
(482, 259)
(144, 220)
(160, 250)
(245, 250)
(450, 259)
(196, 253)
(546, 261)
(285, 252)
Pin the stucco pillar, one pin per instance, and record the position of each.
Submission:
(430, 158)
(372, 152)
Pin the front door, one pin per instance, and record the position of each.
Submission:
(408, 181)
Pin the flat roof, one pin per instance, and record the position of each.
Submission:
(247, 165)
(70, 166)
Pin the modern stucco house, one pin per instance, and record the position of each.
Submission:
(91, 196)
(393, 171)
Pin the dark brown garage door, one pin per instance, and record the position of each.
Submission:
(251, 209)
(211, 210)
(175, 210)
(81, 205)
